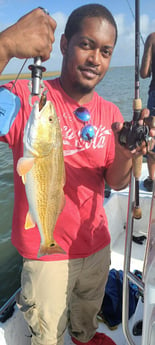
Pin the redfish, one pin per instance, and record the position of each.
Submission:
(43, 173)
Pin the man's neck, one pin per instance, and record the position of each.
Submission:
(79, 95)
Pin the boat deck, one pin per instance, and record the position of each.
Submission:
(117, 261)
(116, 210)
(117, 254)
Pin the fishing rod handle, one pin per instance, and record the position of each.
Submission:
(137, 104)
(36, 75)
(137, 166)
(137, 160)
(37, 69)
(136, 170)
(137, 107)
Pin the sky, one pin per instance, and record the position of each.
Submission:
(122, 10)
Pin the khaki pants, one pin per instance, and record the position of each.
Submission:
(58, 294)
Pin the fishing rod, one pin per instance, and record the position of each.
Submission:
(137, 107)
(132, 134)
(133, 212)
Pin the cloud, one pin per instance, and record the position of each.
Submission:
(61, 19)
(124, 52)
(56, 57)
(144, 23)
(120, 20)
(147, 25)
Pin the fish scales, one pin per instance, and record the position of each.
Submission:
(48, 194)
(44, 181)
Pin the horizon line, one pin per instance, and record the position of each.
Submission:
(8, 76)
(27, 75)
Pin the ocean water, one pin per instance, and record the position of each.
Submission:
(118, 87)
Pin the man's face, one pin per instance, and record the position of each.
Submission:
(88, 54)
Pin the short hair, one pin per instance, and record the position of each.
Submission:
(75, 19)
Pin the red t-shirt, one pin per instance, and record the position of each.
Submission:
(82, 228)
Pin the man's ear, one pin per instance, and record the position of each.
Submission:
(63, 44)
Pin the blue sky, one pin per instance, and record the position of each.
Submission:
(12, 10)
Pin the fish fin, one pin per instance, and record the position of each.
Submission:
(29, 222)
(24, 165)
(54, 248)
(24, 179)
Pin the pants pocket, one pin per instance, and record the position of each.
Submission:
(27, 300)
(31, 316)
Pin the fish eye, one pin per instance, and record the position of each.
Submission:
(50, 119)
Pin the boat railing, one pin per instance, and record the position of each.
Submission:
(7, 309)
(147, 284)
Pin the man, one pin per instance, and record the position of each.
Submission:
(63, 290)
(146, 71)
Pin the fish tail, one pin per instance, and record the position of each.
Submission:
(51, 249)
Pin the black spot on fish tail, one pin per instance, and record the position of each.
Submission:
(53, 248)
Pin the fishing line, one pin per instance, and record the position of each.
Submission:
(131, 10)
(18, 75)
(9, 106)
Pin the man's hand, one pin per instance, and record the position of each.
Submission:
(31, 36)
(134, 137)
